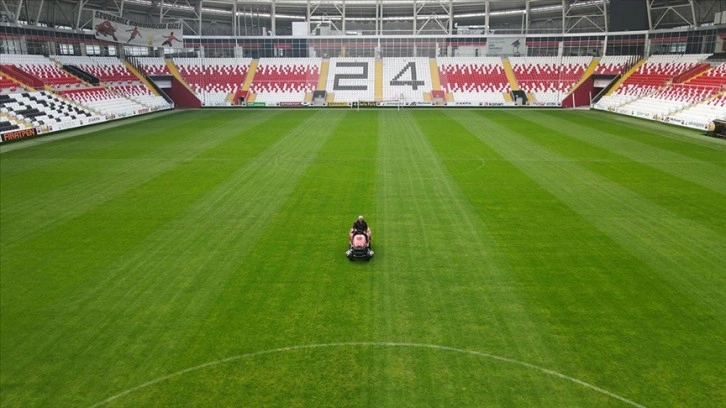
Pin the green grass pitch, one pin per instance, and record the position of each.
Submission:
(524, 258)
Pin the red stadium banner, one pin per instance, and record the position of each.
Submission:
(109, 27)
(18, 135)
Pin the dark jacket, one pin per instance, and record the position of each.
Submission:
(360, 225)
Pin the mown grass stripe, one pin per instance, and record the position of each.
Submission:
(642, 227)
(657, 134)
(681, 184)
(706, 171)
(425, 208)
(157, 282)
(82, 243)
(636, 295)
(156, 117)
(56, 195)
(494, 189)
(275, 282)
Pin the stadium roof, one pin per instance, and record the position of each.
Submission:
(353, 8)
(513, 15)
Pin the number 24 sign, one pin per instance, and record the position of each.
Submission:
(356, 76)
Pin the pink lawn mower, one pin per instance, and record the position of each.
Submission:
(360, 246)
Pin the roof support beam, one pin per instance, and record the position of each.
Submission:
(40, 8)
(273, 12)
(578, 11)
(380, 17)
(17, 11)
(235, 25)
(683, 10)
(487, 13)
(444, 20)
(319, 10)
(199, 16)
(11, 16)
(81, 5)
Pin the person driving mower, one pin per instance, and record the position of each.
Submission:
(360, 240)
(360, 225)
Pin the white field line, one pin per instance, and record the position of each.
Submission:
(371, 344)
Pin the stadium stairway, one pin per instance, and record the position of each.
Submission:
(18, 83)
(140, 77)
(509, 72)
(625, 76)
(379, 80)
(587, 74)
(323, 79)
(435, 81)
(182, 94)
(702, 74)
(21, 76)
(582, 89)
(175, 73)
(691, 73)
(248, 81)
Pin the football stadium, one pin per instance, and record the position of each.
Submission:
(363, 203)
